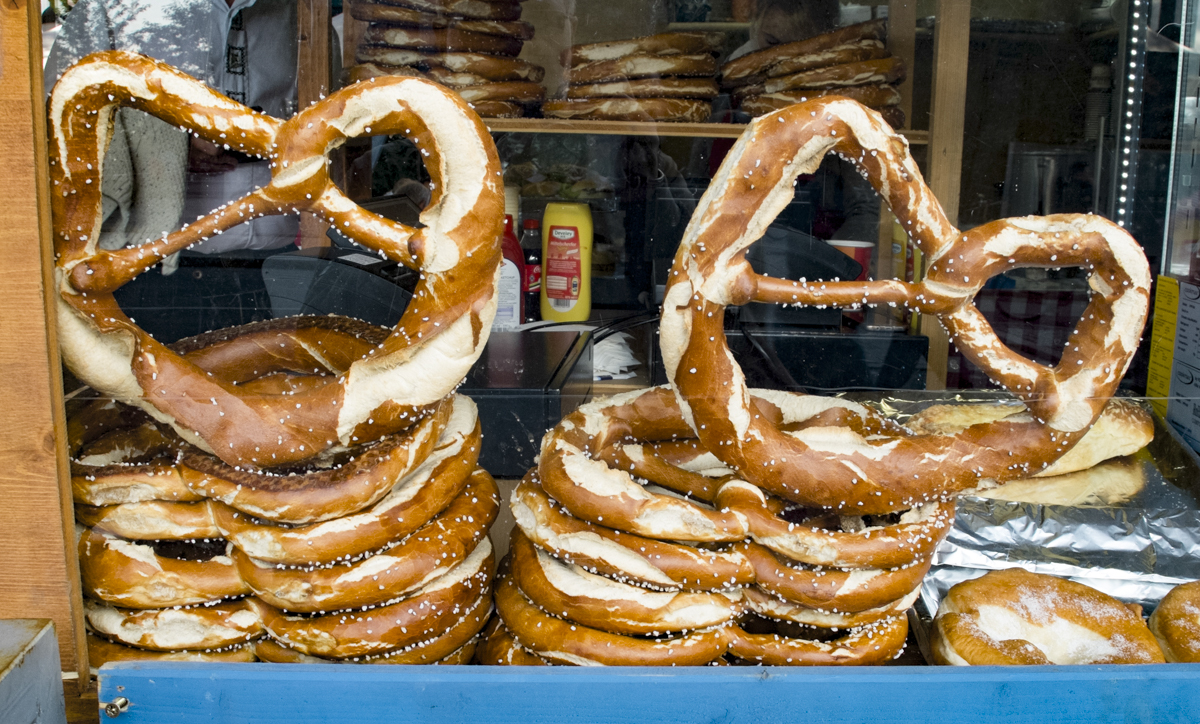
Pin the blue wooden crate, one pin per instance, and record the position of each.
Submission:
(220, 693)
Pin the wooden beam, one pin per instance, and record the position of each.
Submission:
(39, 572)
(314, 80)
(902, 43)
(951, 45)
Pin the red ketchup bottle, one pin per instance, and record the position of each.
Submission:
(531, 288)
(509, 312)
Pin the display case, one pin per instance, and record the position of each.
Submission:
(1006, 109)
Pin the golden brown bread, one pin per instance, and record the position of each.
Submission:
(630, 109)
(492, 67)
(499, 648)
(564, 642)
(452, 39)
(360, 72)
(512, 91)
(1176, 624)
(873, 644)
(853, 52)
(322, 494)
(475, 9)
(871, 95)
(760, 63)
(398, 15)
(172, 629)
(102, 651)
(642, 66)
(663, 44)
(426, 614)
(424, 357)
(607, 605)
(700, 88)
(424, 555)
(855, 460)
(444, 648)
(878, 71)
(1013, 616)
(1111, 483)
(150, 520)
(411, 502)
(499, 109)
(133, 575)
(661, 565)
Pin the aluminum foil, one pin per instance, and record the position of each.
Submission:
(1135, 551)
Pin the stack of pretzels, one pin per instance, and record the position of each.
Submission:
(666, 77)
(707, 521)
(468, 45)
(851, 62)
(296, 489)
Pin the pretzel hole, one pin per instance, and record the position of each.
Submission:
(198, 549)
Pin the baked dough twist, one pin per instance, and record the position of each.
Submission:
(841, 455)
(440, 336)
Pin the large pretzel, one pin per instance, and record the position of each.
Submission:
(845, 455)
(433, 346)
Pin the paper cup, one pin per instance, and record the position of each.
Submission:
(859, 251)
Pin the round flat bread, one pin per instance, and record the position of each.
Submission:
(492, 67)
(448, 39)
(630, 109)
(700, 88)
(474, 9)
(643, 66)
(395, 15)
(661, 44)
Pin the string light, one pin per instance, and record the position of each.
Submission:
(1128, 142)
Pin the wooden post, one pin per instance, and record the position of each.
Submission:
(951, 44)
(902, 43)
(314, 80)
(39, 572)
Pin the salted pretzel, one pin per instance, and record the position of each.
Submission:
(440, 336)
(839, 454)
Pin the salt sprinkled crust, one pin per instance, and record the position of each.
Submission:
(1016, 617)
(1176, 623)
(874, 466)
(441, 335)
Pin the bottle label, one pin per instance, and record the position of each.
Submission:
(508, 297)
(563, 271)
(533, 277)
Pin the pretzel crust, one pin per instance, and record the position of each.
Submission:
(1175, 623)
(570, 643)
(424, 555)
(150, 520)
(763, 62)
(860, 462)
(663, 44)
(701, 88)
(102, 651)
(623, 556)
(413, 500)
(608, 605)
(454, 39)
(683, 110)
(492, 67)
(1062, 622)
(387, 13)
(346, 634)
(133, 575)
(322, 494)
(499, 648)
(852, 52)
(642, 66)
(445, 648)
(169, 629)
(874, 644)
(435, 343)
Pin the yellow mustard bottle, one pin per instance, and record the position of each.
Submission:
(567, 262)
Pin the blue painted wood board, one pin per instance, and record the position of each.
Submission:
(299, 694)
